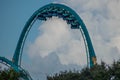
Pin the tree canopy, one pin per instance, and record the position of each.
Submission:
(9, 74)
(98, 72)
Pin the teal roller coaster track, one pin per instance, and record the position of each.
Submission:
(45, 12)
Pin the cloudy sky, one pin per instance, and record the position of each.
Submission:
(52, 46)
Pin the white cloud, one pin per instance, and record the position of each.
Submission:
(40, 67)
(58, 45)
(74, 54)
(52, 37)
(57, 37)
(114, 8)
(116, 42)
(102, 18)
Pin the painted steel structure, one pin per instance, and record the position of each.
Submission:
(23, 73)
(47, 11)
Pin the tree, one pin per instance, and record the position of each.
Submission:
(98, 72)
(114, 70)
(9, 74)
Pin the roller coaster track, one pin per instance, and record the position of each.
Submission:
(45, 12)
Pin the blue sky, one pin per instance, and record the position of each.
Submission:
(14, 15)
(101, 17)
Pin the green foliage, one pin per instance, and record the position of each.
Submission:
(115, 70)
(9, 74)
(98, 72)
(67, 75)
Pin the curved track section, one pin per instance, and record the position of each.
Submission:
(23, 74)
(9, 63)
(60, 11)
